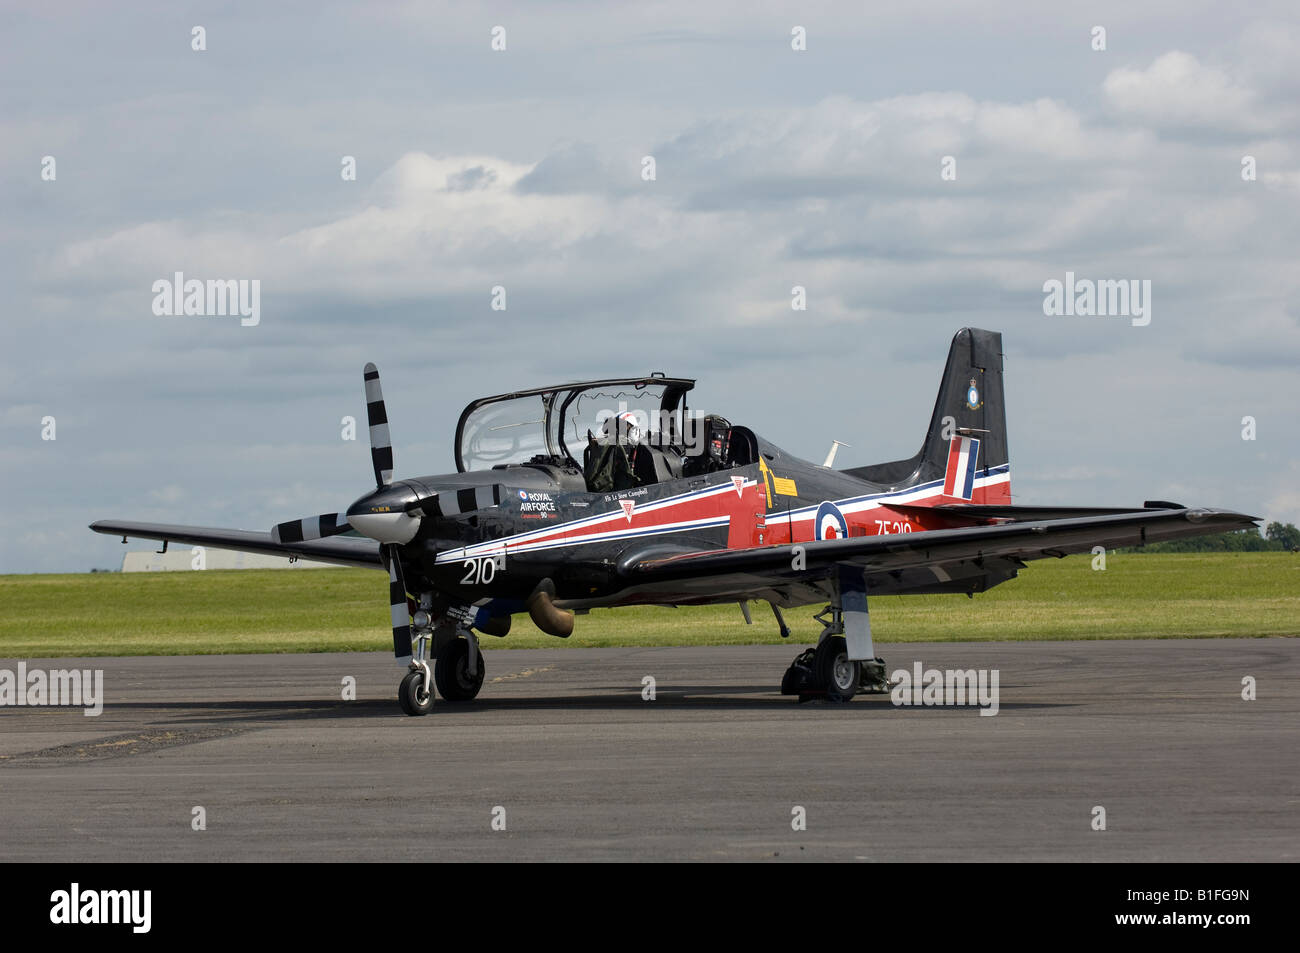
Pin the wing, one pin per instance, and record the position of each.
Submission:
(949, 554)
(982, 512)
(342, 550)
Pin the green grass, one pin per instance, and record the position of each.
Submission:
(1185, 595)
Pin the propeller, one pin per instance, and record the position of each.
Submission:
(381, 458)
(382, 515)
(390, 514)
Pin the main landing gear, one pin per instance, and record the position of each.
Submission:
(826, 671)
(457, 670)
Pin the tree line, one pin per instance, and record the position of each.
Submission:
(1277, 537)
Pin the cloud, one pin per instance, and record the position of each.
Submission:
(775, 169)
(1177, 90)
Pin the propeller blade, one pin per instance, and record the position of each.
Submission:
(398, 609)
(381, 445)
(311, 527)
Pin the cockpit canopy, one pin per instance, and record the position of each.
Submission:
(549, 425)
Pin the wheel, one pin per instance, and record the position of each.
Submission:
(412, 696)
(451, 672)
(833, 670)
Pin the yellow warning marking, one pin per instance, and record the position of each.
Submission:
(772, 483)
(767, 474)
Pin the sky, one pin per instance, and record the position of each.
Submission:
(524, 168)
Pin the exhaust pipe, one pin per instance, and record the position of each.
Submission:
(545, 615)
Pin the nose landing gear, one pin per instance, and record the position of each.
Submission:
(457, 670)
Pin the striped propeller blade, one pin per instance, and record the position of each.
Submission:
(381, 445)
(311, 527)
(398, 608)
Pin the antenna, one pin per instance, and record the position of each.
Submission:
(830, 456)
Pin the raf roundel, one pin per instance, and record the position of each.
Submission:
(830, 522)
(523, 495)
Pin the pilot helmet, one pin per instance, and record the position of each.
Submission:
(622, 429)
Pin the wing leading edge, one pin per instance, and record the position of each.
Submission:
(341, 550)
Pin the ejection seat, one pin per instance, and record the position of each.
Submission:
(652, 464)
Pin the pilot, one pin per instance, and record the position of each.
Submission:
(610, 460)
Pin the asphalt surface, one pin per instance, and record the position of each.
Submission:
(1155, 732)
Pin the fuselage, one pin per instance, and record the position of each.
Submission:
(548, 525)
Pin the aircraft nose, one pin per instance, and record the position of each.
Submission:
(382, 515)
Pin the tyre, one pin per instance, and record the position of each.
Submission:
(834, 672)
(412, 696)
(451, 672)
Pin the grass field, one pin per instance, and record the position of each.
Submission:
(1185, 595)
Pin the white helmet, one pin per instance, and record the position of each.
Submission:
(622, 429)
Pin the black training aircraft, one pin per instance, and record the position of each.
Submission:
(614, 492)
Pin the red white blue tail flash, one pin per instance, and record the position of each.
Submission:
(959, 481)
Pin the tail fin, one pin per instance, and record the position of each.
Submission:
(966, 444)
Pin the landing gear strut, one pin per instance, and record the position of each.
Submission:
(415, 693)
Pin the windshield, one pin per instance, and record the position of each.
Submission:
(509, 431)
